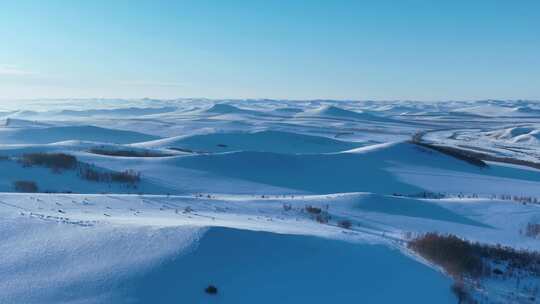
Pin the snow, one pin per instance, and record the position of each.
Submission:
(261, 141)
(275, 267)
(63, 133)
(224, 200)
(44, 262)
(339, 113)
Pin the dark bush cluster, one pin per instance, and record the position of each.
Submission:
(188, 150)
(90, 173)
(55, 161)
(473, 157)
(323, 217)
(424, 194)
(461, 258)
(346, 224)
(287, 207)
(455, 255)
(127, 176)
(427, 194)
(25, 186)
(461, 293)
(532, 230)
(465, 155)
(211, 289)
(127, 153)
(61, 161)
(519, 199)
(313, 210)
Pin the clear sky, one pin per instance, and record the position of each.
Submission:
(297, 49)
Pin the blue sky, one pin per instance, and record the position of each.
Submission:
(297, 49)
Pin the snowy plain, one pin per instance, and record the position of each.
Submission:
(225, 191)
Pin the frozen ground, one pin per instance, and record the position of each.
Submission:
(253, 196)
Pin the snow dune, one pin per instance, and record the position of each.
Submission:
(44, 262)
(138, 249)
(108, 264)
(118, 112)
(63, 133)
(290, 269)
(339, 113)
(262, 141)
(223, 108)
(498, 110)
(371, 171)
(385, 168)
(229, 207)
(522, 134)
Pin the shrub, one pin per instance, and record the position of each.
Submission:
(459, 290)
(346, 224)
(25, 186)
(89, 173)
(128, 153)
(55, 161)
(532, 230)
(211, 289)
(322, 217)
(129, 176)
(465, 155)
(497, 271)
(188, 150)
(462, 258)
(455, 255)
(313, 210)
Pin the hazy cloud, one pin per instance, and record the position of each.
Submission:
(13, 70)
(153, 83)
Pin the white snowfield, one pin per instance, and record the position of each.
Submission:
(271, 201)
(80, 244)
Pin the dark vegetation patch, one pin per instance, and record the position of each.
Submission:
(532, 230)
(455, 256)
(187, 150)
(424, 194)
(469, 262)
(55, 161)
(128, 153)
(89, 172)
(474, 157)
(459, 289)
(211, 290)
(345, 224)
(521, 199)
(323, 217)
(183, 150)
(60, 161)
(461, 258)
(25, 186)
(318, 214)
(313, 210)
(465, 155)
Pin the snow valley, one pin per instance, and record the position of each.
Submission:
(269, 201)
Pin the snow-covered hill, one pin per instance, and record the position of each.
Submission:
(267, 200)
(261, 141)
